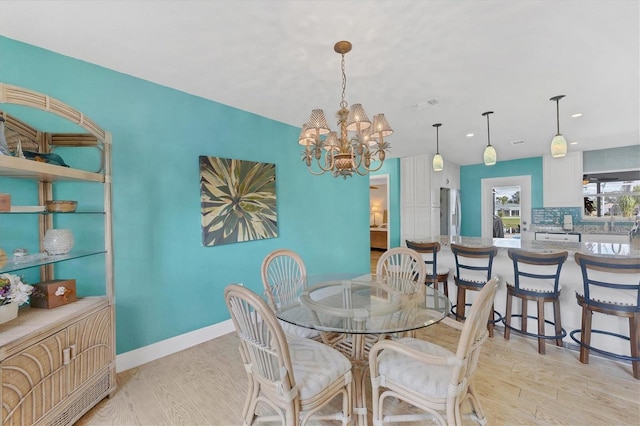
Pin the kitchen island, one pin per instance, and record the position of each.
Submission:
(570, 281)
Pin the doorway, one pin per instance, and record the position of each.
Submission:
(508, 198)
(379, 211)
(506, 211)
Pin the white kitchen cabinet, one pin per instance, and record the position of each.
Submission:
(549, 236)
(407, 182)
(606, 238)
(415, 197)
(562, 180)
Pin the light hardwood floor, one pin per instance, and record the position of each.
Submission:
(206, 384)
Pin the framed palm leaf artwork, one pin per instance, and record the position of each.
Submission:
(237, 200)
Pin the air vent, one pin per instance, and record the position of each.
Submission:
(424, 105)
(517, 142)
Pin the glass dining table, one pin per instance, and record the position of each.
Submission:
(354, 312)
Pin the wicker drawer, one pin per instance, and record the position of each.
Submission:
(39, 380)
(33, 381)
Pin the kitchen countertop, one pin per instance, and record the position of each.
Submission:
(600, 248)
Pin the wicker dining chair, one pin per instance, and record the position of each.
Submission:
(430, 377)
(406, 265)
(404, 271)
(283, 274)
(289, 378)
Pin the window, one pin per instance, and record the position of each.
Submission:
(506, 206)
(614, 195)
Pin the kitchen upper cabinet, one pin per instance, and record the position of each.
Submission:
(563, 180)
(407, 182)
(415, 197)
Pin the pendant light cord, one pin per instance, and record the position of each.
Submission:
(558, 115)
(488, 131)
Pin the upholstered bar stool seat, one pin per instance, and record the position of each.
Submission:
(536, 278)
(611, 286)
(436, 274)
(474, 266)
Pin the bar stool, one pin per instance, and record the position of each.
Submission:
(611, 285)
(536, 276)
(435, 273)
(473, 271)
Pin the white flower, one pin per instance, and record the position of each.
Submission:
(18, 291)
(60, 291)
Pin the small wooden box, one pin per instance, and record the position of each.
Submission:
(44, 294)
(5, 202)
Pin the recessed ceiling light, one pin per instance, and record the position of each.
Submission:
(573, 143)
(517, 142)
(470, 135)
(576, 115)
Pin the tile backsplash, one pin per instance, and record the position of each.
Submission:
(552, 217)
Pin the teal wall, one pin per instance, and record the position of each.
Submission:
(471, 185)
(391, 167)
(166, 282)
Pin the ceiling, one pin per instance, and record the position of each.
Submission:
(419, 62)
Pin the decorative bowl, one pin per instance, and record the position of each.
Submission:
(63, 206)
(58, 241)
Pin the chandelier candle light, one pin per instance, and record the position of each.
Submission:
(490, 156)
(438, 161)
(344, 155)
(558, 143)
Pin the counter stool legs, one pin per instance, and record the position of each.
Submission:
(441, 278)
(585, 335)
(634, 327)
(558, 322)
(459, 309)
(541, 336)
(634, 340)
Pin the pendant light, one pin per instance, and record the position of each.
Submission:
(490, 156)
(559, 143)
(438, 161)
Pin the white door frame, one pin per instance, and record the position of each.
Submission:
(524, 182)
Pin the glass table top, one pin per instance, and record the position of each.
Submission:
(362, 305)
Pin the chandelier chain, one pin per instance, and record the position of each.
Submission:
(343, 102)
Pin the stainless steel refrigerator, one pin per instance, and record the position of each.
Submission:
(450, 213)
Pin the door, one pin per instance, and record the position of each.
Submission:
(492, 188)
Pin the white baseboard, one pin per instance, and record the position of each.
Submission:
(136, 357)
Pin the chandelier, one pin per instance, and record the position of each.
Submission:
(343, 154)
